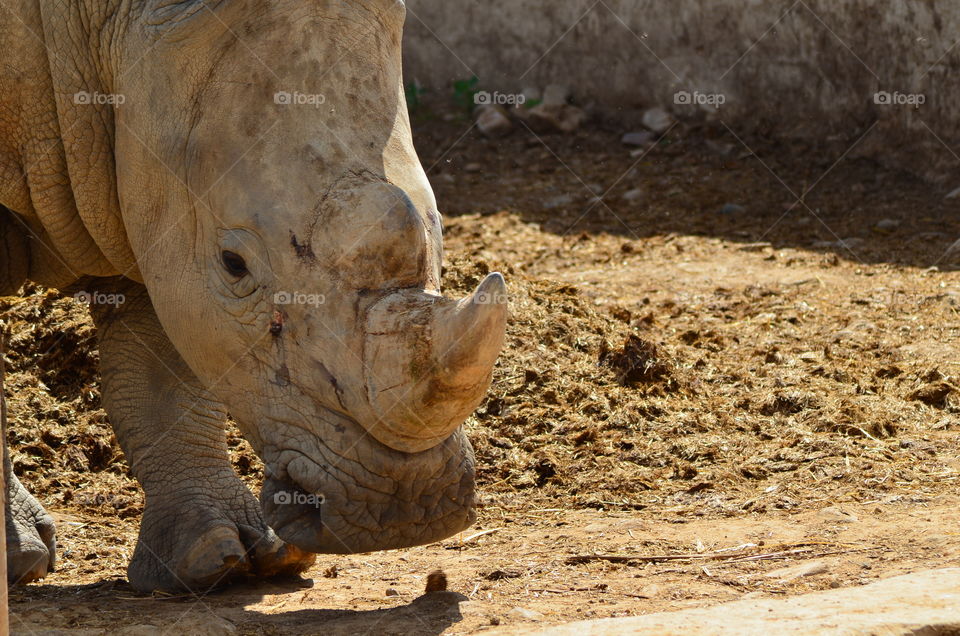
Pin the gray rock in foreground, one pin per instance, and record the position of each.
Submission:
(921, 603)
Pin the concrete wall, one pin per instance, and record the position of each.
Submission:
(784, 67)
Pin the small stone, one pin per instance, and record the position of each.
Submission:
(723, 149)
(851, 243)
(886, 226)
(643, 138)
(732, 208)
(140, 630)
(531, 94)
(835, 515)
(556, 95)
(596, 188)
(953, 194)
(473, 167)
(809, 356)
(392, 592)
(633, 195)
(525, 614)
(436, 582)
(556, 118)
(798, 571)
(493, 121)
(557, 201)
(658, 120)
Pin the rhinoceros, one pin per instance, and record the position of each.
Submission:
(233, 188)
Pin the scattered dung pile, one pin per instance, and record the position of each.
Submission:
(599, 407)
(61, 443)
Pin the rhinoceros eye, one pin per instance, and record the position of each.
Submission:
(234, 263)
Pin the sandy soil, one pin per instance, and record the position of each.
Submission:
(692, 398)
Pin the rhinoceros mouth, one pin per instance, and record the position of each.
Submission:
(366, 496)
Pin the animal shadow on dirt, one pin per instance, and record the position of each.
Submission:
(289, 606)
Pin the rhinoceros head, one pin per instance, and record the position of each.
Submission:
(291, 244)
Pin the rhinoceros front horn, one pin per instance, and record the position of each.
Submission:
(429, 361)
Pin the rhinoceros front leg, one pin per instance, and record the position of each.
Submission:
(201, 526)
(31, 540)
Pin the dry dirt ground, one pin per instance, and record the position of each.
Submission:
(704, 395)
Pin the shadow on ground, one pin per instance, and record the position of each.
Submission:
(260, 607)
(699, 180)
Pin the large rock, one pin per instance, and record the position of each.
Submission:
(556, 95)
(922, 603)
(561, 118)
(493, 121)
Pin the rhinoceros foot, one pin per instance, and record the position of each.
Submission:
(201, 541)
(31, 538)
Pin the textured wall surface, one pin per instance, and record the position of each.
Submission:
(783, 67)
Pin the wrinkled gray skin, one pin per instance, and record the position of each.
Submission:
(207, 203)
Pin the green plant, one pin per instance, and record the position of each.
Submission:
(414, 94)
(464, 93)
